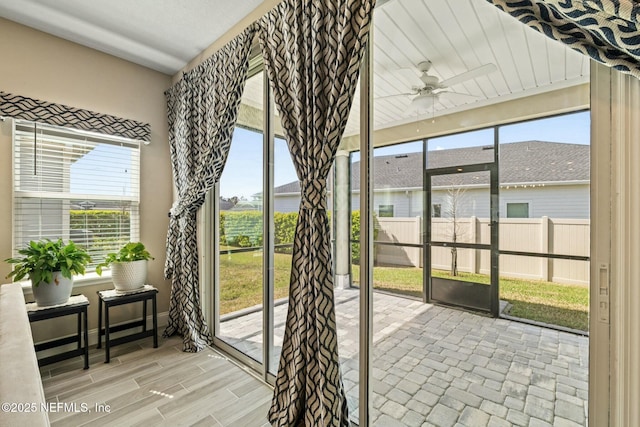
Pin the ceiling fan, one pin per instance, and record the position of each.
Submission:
(427, 95)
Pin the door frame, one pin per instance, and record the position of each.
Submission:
(493, 306)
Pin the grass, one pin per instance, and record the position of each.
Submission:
(241, 279)
(553, 303)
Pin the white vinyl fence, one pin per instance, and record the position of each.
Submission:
(538, 235)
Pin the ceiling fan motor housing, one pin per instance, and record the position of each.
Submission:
(430, 81)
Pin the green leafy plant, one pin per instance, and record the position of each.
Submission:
(132, 251)
(41, 259)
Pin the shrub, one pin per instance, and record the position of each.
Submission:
(102, 223)
(285, 229)
(100, 230)
(355, 235)
(244, 229)
(240, 228)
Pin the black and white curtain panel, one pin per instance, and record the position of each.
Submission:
(605, 30)
(312, 52)
(202, 112)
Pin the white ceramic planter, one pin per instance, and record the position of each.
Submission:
(131, 275)
(54, 293)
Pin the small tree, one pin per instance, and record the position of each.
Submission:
(452, 210)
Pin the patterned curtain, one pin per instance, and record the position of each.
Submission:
(202, 112)
(35, 110)
(312, 51)
(605, 30)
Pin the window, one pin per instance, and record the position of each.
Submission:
(436, 210)
(517, 210)
(385, 210)
(74, 185)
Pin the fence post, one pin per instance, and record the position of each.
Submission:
(416, 256)
(545, 270)
(473, 228)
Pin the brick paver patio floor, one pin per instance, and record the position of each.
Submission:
(436, 366)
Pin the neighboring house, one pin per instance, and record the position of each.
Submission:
(240, 204)
(225, 205)
(286, 198)
(537, 178)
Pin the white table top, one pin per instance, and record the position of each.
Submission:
(110, 293)
(75, 299)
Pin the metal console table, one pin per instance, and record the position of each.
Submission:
(111, 298)
(77, 305)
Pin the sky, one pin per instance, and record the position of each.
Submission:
(242, 176)
(94, 173)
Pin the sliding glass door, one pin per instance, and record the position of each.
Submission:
(240, 232)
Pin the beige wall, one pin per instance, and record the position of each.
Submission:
(47, 68)
(256, 14)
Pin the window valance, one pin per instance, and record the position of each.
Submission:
(22, 107)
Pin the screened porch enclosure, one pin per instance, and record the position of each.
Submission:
(403, 312)
(486, 188)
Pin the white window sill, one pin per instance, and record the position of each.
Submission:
(88, 279)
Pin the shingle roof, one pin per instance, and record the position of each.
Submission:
(291, 187)
(520, 162)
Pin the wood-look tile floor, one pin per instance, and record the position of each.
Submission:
(146, 386)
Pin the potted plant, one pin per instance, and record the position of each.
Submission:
(51, 266)
(128, 266)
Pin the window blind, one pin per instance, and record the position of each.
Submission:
(75, 185)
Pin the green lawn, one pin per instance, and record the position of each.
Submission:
(241, 279)
(554, 303)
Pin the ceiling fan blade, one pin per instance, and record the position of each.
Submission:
(407, 76)
(394, 95)
(468, 75)
(456, 95)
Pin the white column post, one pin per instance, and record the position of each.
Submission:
(342, 217)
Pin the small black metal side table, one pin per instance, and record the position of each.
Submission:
(77, 304)
(111, 298)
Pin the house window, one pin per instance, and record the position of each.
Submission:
(385, 210)
(436, 210)
(517, 210)
(75, 185)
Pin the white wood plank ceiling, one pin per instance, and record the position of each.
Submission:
(458, 36)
